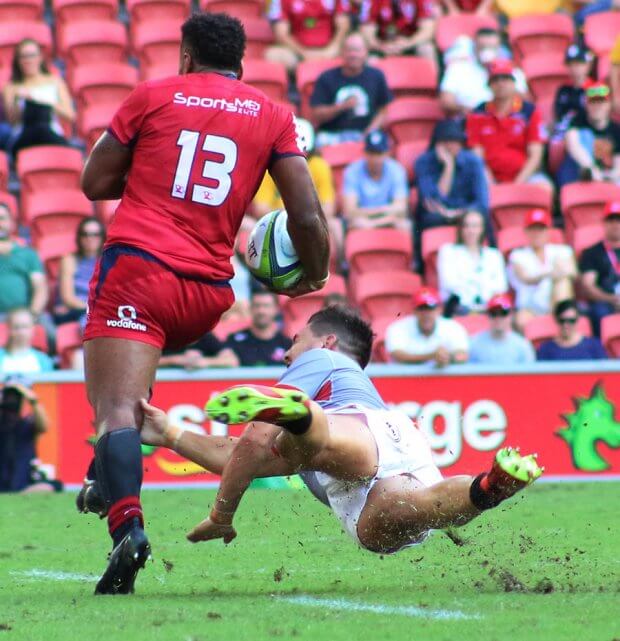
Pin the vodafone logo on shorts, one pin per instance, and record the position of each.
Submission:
(127, 316)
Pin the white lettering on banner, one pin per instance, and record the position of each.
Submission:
(191, 417)
(243, 107)
(482, 427)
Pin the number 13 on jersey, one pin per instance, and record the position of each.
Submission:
(218, 171)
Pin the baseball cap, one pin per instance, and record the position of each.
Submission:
(596, 90)
(577, 53)
(446, 130)
(500, 68)
(499, 301)
(612, 209)
(537, 217)
(376, 142)
(426, 297)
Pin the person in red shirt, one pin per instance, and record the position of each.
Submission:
(508, 132)
(399, 28)
(186, 155)
(307, 30)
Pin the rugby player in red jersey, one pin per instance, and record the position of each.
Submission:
(186, 155)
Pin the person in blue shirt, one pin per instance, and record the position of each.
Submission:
(570, 344)
(375, 187)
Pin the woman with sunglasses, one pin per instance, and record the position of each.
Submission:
(570, 344)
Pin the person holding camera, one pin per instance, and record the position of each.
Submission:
(18, 435)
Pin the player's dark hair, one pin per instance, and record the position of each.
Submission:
(564, 306)
(354, 334)
(214, 40)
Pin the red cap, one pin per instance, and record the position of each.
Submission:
(499, 301)
(501, 67)
(612, 208)
(426, 297)
(537, 217)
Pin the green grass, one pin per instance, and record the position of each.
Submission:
(545, 567)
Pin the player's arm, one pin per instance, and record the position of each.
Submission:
(105, 172)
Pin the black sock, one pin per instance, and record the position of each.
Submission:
(481, 499)
(91, 473)
(298, 426)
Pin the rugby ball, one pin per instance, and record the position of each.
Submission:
(270, 255)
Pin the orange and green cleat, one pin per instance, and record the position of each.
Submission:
(510, 473)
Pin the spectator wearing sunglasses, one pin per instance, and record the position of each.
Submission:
(570, 344)
(500, 345)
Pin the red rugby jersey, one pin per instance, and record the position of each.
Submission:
(201, 144)
(397, 18)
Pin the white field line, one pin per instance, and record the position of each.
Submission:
(375, 608)
(53, 575)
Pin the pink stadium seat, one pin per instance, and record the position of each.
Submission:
(545, 74)
(585, 236)
(4, 171)
(412, 119)
(408, 152)
(226, 327)
(450, 27)
(432, 240)
(511, 201)
(157, 70)
(339, 156)
(103, 84)
(147, 10)
(66, 11)
(541, 34)
(388, 293)
(269, 77)
(13, 32)
(49, 167)
(93, 121)
(512, 237)
(307, 73)
(52, 248)
(68, 340)
(610, 334)
(601, 31)
(156, 41)
(473, 323)
(582, 203)
(237, 8)
(105, 209)
(21, 10)
(409, 76)
(369, 250)
(89, 42)
(544, 328)
(259, 36)
(39, 340)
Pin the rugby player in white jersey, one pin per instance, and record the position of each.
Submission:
(326, 420)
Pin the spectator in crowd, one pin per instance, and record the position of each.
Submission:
(470, 274)
(19, 356)
(400, 28)
(450, 180)
(592, 141)
(375, 187)
(541, 273)
(427, 337)
(309, 30)
(22, 279)
(499, 345)
(600, 270)
(77, 269)
(35, 99)
(6, 130)
(262, 343)
(208, 351)
(570, 344)
(614, 75)
(465, 83)
(508, 132)
(594, 6)
(478, 7)
(349, 101)
(18, 436)
(570, 99)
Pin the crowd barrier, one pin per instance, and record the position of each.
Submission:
(568, 413)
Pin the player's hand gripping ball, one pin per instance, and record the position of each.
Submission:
(270, 255)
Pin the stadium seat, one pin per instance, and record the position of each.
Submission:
(89, 42)
(103, 84)
(544, 328)
(105, 210)
(147, 10)
(379, 327)
(585, 236)
(13, 32)
(473, 323)
(301, 308)
(28, 10)
(52, 248)
(582, 203)
(93, 121)
(545, 74)
(4, 171)
(68, 340)
(450, 27)
(157, 70)
(338, 157)
(409, 76)
(548, 33)
(512, 237)
(432, 240)
(307, 73)
(49, 167)
(67, 11)
(389, 293)
(369, 250)
(409, 119)
(610, 334)
(226, 327)
(156, 41)
(407, 153)
(510, 202)
(236, 8)
(269, 77)
(259, 36)
(601, 31)
(39, 340)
